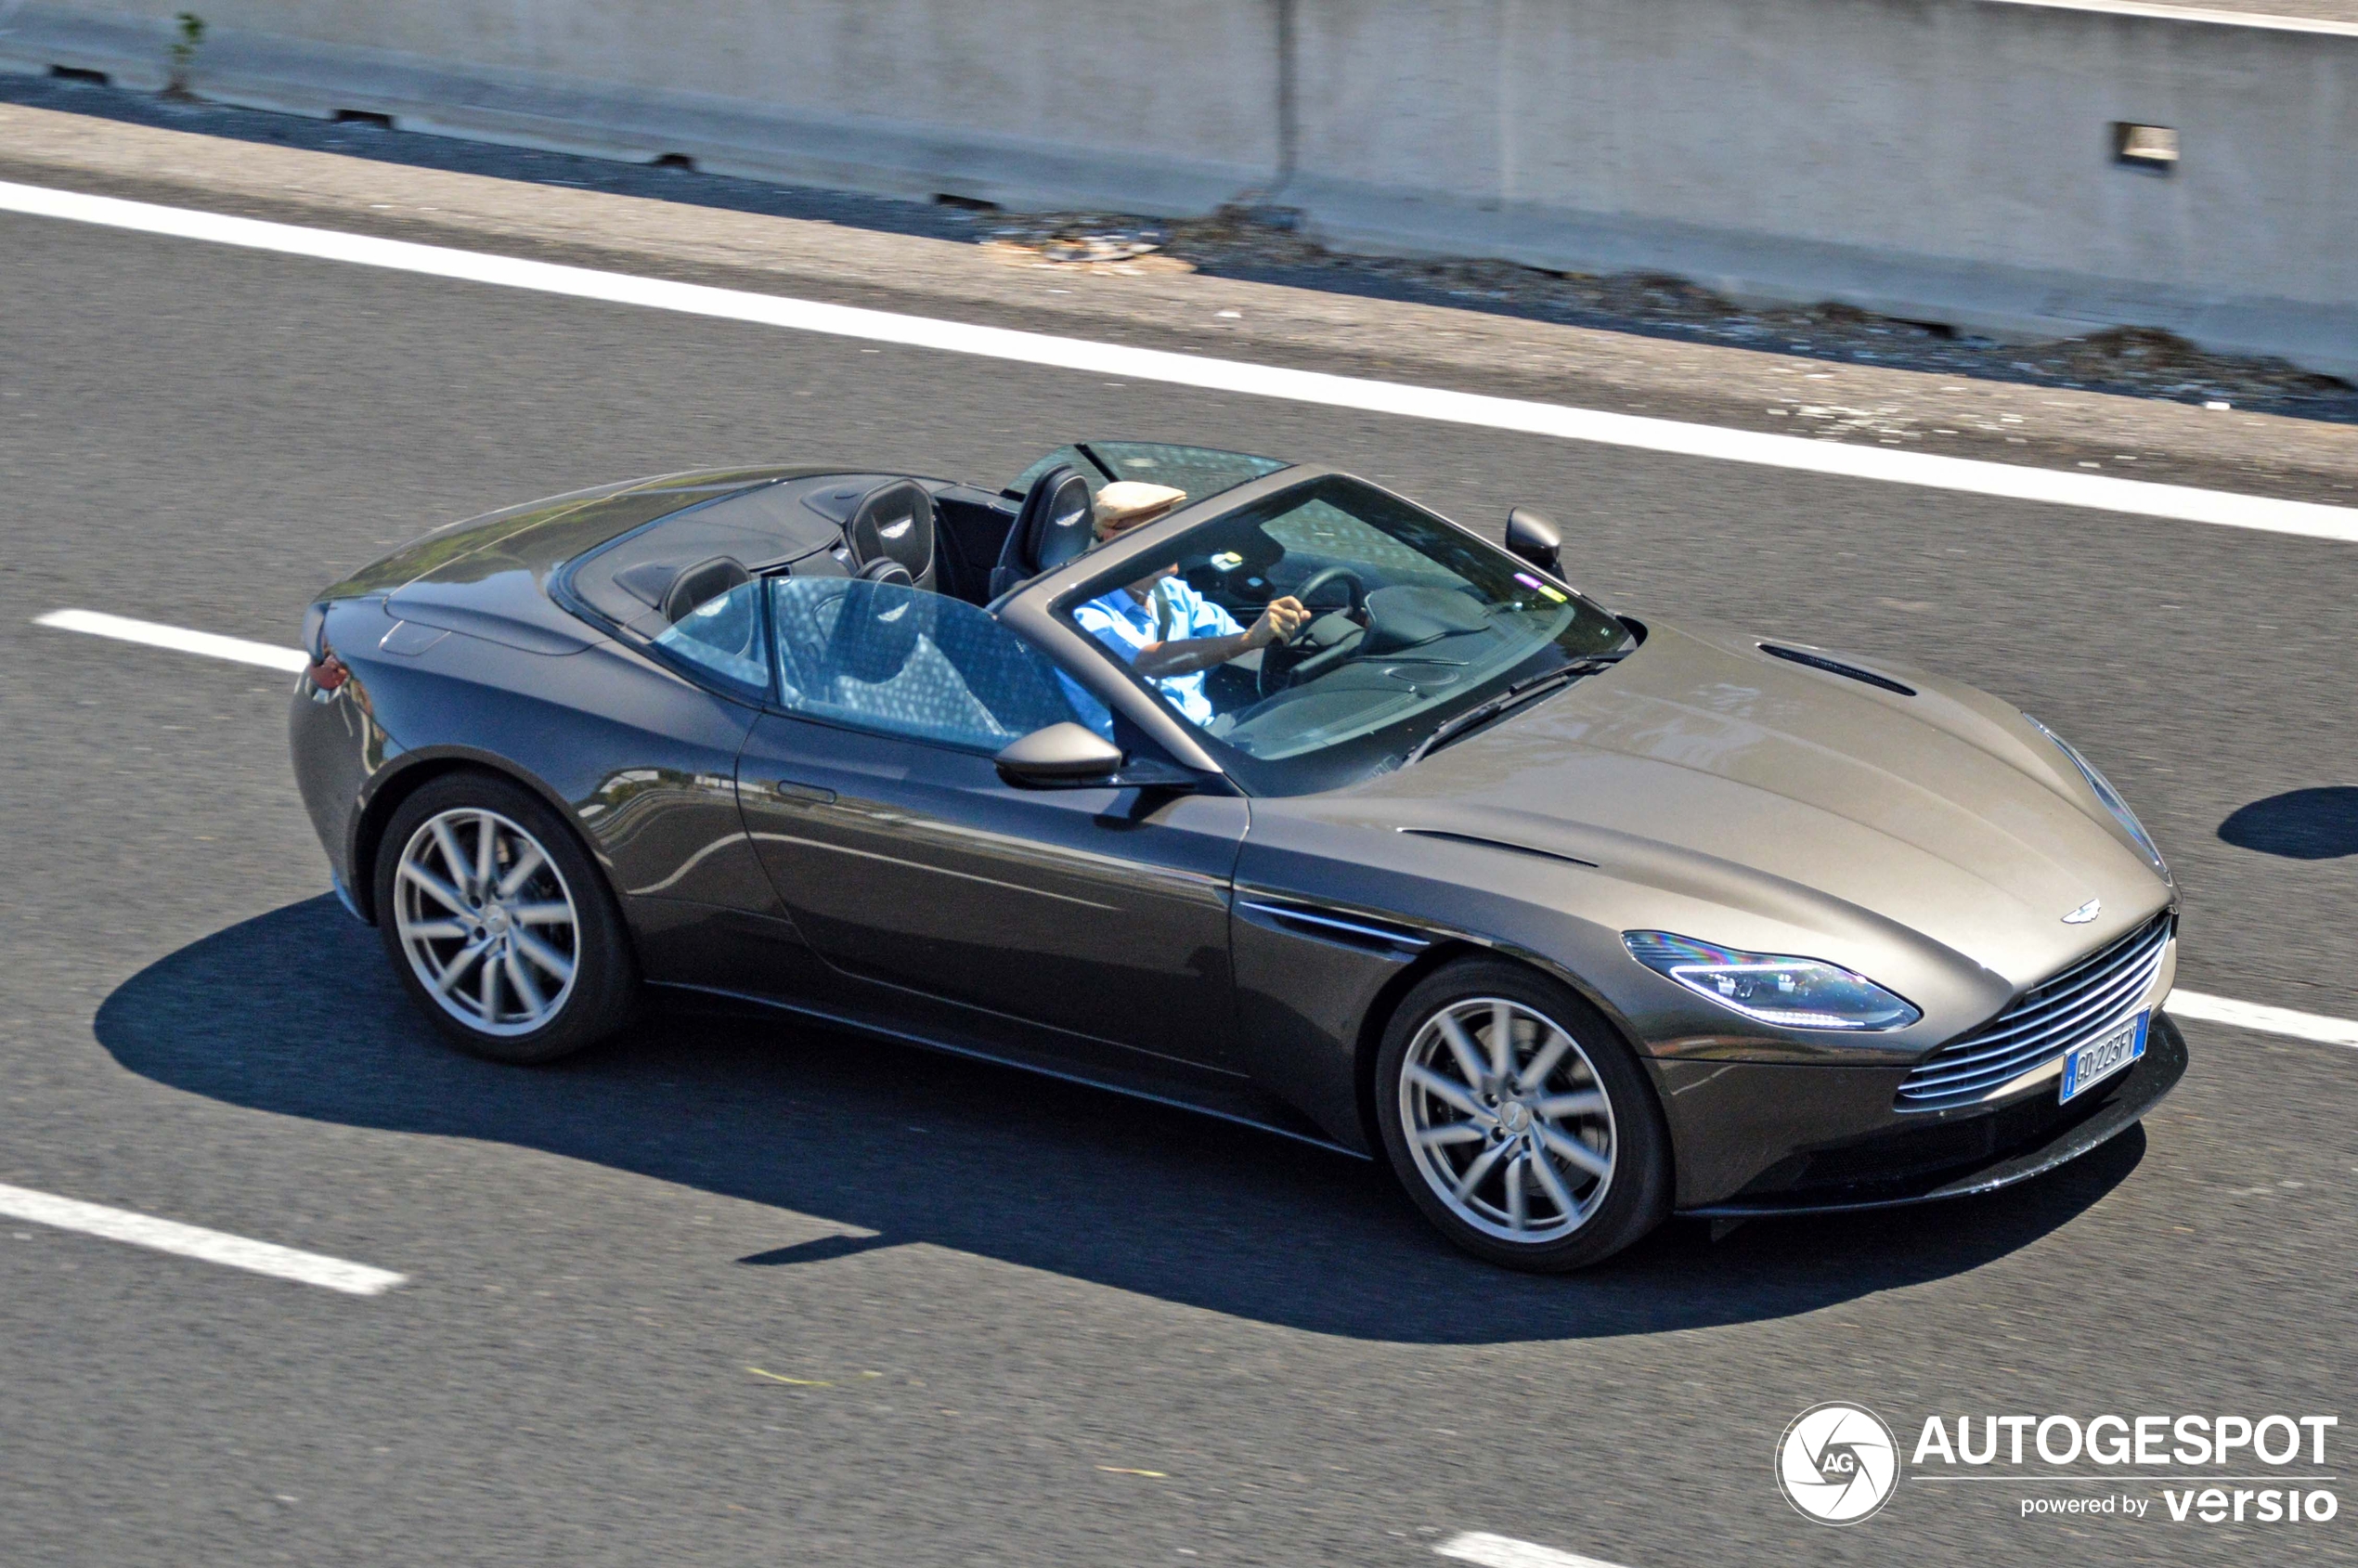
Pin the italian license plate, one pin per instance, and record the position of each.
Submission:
(2092, 1063)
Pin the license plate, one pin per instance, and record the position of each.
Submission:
(2092, 1063)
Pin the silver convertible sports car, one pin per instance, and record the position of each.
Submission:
(1295, 804)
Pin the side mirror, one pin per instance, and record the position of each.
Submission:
(1534, 538)
(1060, 757)
(1072, 755)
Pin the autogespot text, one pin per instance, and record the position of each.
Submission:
(2177, 1444)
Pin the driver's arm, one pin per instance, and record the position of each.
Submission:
(1280, 620)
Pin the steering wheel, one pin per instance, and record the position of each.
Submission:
(1344, 575)
(1281, 661)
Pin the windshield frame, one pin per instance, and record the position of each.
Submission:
(1040, 612)
(1099, 464)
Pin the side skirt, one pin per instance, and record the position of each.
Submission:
(1243, 1106)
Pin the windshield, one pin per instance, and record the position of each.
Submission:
(1317, 636)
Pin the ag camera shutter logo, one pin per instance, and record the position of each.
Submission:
(1837, 1463)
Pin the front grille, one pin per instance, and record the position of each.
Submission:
(2086, 1002)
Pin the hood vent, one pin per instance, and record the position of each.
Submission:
(1483, 843)
(1835, 667)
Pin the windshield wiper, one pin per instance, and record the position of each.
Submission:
(1514, 696)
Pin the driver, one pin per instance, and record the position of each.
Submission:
(1162, 626)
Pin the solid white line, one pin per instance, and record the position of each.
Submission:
(2318, 1027)
(1505, 1551)
(2100, 492)
(174, 637)
(2251, 22)
(2186, 1003)
(194, 1241)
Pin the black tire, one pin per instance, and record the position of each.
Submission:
(1594, 1094)
(599, 989)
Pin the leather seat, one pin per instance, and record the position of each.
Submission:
(1052, 529)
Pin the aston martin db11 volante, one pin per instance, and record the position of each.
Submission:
(1300, 805)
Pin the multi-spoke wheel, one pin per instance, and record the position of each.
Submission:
(485, 920)
(498, 923)
(1518, 1121)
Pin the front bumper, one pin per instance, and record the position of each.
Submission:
(1743, 1149)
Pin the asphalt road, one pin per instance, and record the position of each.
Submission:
(1003, 1297)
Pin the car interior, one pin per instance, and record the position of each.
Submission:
(914, 648)
(1408, 616)
(868, 600)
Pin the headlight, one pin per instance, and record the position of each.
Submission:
(2109, 795)
(1789, 993)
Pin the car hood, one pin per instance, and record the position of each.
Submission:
(1702, 764)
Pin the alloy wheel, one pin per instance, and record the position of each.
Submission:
(1506, 1119)
(486, 921)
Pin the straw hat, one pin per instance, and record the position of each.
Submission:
(1128, 502)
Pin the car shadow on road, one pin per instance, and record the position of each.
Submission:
(296, 1013)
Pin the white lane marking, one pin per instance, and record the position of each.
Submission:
(194, 1241)
(2100, 492)
(1505, 1551)
(2186, 1003)
(210, 644)
(2318, 1027)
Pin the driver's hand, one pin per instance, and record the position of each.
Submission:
(1280, 620)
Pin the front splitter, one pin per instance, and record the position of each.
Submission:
(2141, 1088)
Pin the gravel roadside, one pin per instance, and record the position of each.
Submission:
(1296, 304)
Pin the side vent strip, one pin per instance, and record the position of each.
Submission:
(1354, 930)
(1835, 667)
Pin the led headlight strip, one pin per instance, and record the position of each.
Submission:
(1771, 987)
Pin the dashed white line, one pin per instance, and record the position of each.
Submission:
(1505, 1551)
(2102, 492)
(195, 1241)
(2316, 1027)
(177, 639)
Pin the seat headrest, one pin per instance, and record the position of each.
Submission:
(894, 522)
(702, 583)
(1051, 528)
(1061, 531)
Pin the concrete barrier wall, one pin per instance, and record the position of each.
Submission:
(1953, 159)
(1169, 107)
(1949, 160)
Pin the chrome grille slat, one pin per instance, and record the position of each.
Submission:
(2102, 1012)
(2098, 1005)
(2090, 1017)
(2022, 1021)
(2103, 958)
(2030, 1017)
(1989, 1075)
(2107, 963)
(2083, 1002)
(1980, 1083)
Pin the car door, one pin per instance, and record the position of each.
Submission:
(905, 860)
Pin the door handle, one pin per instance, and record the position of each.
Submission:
(787, 789)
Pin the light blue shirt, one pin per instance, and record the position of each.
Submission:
(1174, 613)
